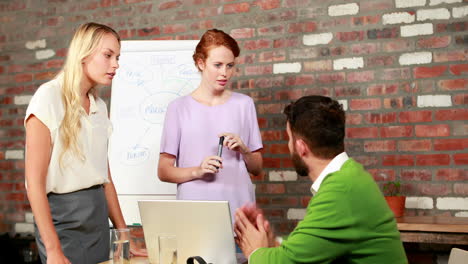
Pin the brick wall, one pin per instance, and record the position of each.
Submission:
(398, 66)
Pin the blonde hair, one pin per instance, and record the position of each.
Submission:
(84, 43)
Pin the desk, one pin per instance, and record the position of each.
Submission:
(133, 260)
(434, 229)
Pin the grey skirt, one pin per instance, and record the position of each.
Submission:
(81, 221)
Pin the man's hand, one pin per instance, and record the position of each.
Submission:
(250, 237)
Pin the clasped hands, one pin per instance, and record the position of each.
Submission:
(253, 231)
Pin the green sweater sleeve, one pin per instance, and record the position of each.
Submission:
(322, 236)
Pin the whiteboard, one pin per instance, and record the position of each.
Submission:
(150, 76)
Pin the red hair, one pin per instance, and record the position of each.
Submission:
(211, 39)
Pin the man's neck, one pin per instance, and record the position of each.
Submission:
(316, 166)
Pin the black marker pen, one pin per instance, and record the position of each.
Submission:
(220, 148)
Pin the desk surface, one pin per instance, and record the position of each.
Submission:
(434, 229)
(134, 260)
(433, 224)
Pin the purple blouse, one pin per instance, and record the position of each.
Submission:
(191, 132)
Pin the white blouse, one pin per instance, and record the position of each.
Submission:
(75, 173)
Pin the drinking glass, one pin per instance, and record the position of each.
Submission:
(119, 246)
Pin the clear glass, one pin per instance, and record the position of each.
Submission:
(167, 249)
(119, 246)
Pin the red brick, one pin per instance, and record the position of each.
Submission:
(383, 33)
(271, 135)
(434, 42)
(236, 8)
(347, 91)
(270, 188)
(379, 118)
(457, 84)
(270, 108)
(382, 174)
(44, 75)
(415, 117)
(382, 89)
(258, 70)
(365, 104)
(271, 31)
(396, 131)
(451, 144)
(54, 64)
(262, 122)
(364, 48)
(433, 160)
(454, 114)
(302, 27)
(321, 65)
(460, 189)
(24, 77)
(271, 162)
(149, 31)
(414, 145)
(432, 130)
(332, 77)
(460, 99)
(416, 175)
(452, 175)
(452, 27)
(257, 44)
(459, 69)
(397, 45)
(18, 197)
(15, 68)
(350, 36)
(380, 61)
(276, 55)
(431, 189)
(429, 72)
(284, 201)
(456, 55)
(371, 160)
(241, 33)
(380, 145)
(396, 74)
(107, 3)
(206, 24)
(279, 149)
(302, 79)
(461, 159)
(362, 132)
(286, 42)
(133, 1)
(353, 119)
(360, 76)
(398, 160)
(169, 5)
(365, 20)
(399, 102)
(172, 29)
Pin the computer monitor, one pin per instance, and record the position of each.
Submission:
(202, 228)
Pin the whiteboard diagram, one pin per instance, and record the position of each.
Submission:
(151, 75)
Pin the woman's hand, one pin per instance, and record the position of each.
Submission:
(210, 164)
(56, 257)
(234, 142)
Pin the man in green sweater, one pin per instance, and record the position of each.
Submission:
(347, 220)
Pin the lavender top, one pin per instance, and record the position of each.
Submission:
(190, 133)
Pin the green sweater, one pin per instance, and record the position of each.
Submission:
(347, 221)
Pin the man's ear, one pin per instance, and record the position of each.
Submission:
(301, 147)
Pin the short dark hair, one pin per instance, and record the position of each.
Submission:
(320, 122)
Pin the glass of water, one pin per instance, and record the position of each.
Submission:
(167, 249)
(120, 246)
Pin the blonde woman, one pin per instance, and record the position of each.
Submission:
(67, 127)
